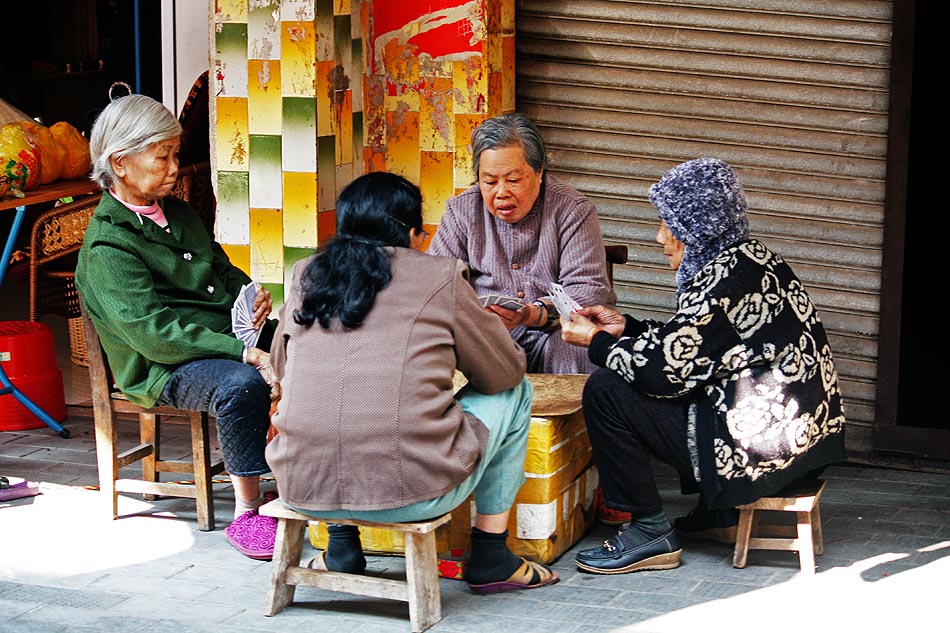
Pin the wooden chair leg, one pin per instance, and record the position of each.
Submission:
(422, 578)
(288, 548)
(201, 458)
(107, 460)
(150, 433)
(743, 533)
(806, 547)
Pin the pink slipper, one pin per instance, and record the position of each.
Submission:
(253, 535)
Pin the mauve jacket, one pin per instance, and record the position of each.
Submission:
(368, 418)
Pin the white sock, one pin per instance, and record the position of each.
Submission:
(241, 506)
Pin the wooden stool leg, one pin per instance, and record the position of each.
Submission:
(816, 530)
(422, 578)
(287, 551)
(201, 458)
(743, 533)
(806, 548)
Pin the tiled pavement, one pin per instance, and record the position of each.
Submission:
(64, 567)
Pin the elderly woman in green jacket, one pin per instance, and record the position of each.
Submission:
(159, 290)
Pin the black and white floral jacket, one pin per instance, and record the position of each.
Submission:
(747, 350)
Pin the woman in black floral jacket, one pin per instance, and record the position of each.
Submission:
(738, 391)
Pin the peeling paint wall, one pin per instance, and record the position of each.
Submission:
(309, 94)
(435, 69)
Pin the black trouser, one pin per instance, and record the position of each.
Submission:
(625, 428)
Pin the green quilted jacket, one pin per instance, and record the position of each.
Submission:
(158, 300)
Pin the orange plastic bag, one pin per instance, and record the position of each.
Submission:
(51, 153)
(19, 162)
(78, 160)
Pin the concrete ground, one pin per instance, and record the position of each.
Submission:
(64, 566)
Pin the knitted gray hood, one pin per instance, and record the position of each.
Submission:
(703, 204)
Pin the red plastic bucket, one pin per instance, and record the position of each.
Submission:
(28, 358)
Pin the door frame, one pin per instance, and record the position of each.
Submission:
(893, 443)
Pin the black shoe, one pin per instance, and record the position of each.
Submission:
(617, 556)
(712, 525)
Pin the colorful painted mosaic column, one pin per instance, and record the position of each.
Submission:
(435, 69)
(288, 130)
(296, 117)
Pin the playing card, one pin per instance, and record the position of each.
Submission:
(562, 301)
(242, 315)
(500, 300)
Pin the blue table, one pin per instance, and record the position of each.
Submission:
(53, 191)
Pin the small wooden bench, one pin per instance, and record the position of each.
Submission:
(804, 537)
(420, 589)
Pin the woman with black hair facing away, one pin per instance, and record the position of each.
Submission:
(368, 425)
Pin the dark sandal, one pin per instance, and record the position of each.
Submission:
(530, 575)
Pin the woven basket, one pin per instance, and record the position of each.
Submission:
(77, 343)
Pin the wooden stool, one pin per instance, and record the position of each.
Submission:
(420, 589)
(805, 537)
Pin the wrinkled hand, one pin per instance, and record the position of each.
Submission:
(529, 315)
(586, 322)
(578, 331)
(606, 319)
(263, 305)
(260, 360)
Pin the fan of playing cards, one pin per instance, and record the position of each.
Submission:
(506, 302)
(562, 301)
(242, 315)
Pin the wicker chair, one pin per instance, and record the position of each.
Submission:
(54, 241)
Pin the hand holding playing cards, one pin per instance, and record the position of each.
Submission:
(528, 315)
(586, 322)
(262, 307)
(606, 319)
(249, 313)
(260, 360)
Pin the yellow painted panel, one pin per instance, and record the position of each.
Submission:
(298, 50)
(264, 98)
(403, 155)
(240, 256)
(232, 142)
(436, 182)
(470, 86)
(465, 124)
(231, 10)
(267, 250)
(406, 101)
(437, 130)
(300, 209)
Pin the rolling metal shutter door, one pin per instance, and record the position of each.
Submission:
(792, 95)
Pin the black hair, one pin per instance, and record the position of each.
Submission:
(373, 212)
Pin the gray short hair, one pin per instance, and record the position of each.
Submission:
(126, 126)
(509, 130)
